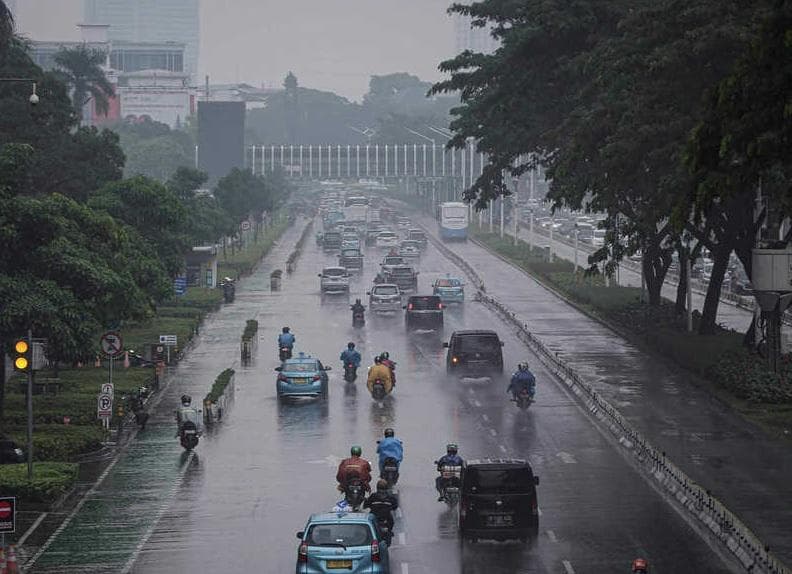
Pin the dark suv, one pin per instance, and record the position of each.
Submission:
(424, 311)
(474, 352)
(498, 500)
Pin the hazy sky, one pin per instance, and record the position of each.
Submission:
(329, 44)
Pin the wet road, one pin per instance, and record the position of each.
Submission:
(235, 504)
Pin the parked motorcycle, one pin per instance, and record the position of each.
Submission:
(390, 471)
(350, 372)
(451, 481)
(524, 399)
(188, 435)
(354, 494)
(285, 353)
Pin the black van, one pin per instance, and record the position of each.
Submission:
(498, 500)
(474, 352)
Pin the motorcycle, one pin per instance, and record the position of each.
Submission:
(390, 471)
(188, 435)
(354, 494)
(350, 372)
(524, 399)
(451, 480)
(383, 512)
(285, 353)
(378, 392)
(358, 317)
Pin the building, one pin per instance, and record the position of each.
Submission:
(161, 95)
(466, 37)
(151, 22)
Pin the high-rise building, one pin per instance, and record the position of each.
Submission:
(151, 21)
(469, 38)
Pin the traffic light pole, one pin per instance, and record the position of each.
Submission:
(30, 411)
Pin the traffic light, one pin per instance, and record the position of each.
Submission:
(22, 354)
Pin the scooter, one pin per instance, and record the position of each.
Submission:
(524, 399)
(358, 317)
(390, 471)
(188, 435)
(354, 494)
(451, 477)
(350, 372)
(378, 392)
(285, 353)
(383, 513)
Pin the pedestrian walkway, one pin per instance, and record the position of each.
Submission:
(748, 472)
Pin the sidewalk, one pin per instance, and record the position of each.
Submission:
(748, 472)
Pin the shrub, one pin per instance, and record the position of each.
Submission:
(746, 377)
(220, 384)
(60, 442)
(50, 481)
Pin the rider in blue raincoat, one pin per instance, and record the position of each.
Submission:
(522, 379)
(350, 355)
(390, 447)
(286, 339)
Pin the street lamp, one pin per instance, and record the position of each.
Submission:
(688, 242)
(34, 98)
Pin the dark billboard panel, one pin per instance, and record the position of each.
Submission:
(221, 137)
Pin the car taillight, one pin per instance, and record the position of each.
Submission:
(375, 553)
(409, 306)
(463, 509)
(439, 305)
(282, 377)
(302, 553)
(316, 378)
(534, 508)
(454, 359)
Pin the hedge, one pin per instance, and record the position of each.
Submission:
(220, 384)
(60, 442)
(51, 480)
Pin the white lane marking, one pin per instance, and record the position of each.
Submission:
(477, 402)
(402, 539)
(568, 567)
(552, 536)
(485, 416)
(566, 457)
(405, 568)
(502, 448)
(493, 432)
(29, 531)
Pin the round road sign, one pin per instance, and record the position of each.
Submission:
(112, 344)
(5, 510)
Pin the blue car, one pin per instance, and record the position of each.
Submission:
(347, 542)
(302, 376)
(450, 290)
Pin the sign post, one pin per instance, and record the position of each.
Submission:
(169, 341)
(112, 346)
(7, 517)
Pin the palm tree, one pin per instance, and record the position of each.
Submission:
(80, 68)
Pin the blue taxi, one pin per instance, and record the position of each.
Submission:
(449, 289)
(342, 542)
(302, 376)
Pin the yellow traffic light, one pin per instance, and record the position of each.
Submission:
(21, 355)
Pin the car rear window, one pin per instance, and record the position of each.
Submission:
(334, 534)
(476, 344)
(333, 272)
(448, 283)
(389, 290)
(393, 261)
(350, 252)
(300, 367)
(417, 235)
(422, 303)
(402, 271)
(502, 480)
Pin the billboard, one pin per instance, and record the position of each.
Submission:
(221, 133)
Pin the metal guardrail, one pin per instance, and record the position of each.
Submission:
(712, 514)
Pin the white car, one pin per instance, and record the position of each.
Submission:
(385, 297)
(410, 249)
(387, 239)
(334, 280)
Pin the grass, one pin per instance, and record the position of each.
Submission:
(51, 480)
(243, 262)
(720, 361)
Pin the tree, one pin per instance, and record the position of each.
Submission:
(6, 25)
(153, 149)
(242, 194)
(207, 221)
(81, 69)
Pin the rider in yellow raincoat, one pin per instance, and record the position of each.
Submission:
(382, 372)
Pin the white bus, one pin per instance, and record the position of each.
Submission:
(453, 220)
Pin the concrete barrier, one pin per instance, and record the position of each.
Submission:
(214, 411)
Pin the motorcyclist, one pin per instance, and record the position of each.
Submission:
(385, 358)
(382, 503)
(286, 339)
(358, 307)
(354, 467)
(350, 356)
(451, 458)
(187, 412)
(379, 371)
(390, 447)
(522, 379)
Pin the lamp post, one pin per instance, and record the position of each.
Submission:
(33, 98)
(688, 240)
(515, 208)
(576, 248)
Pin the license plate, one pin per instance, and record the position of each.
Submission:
(300, 381)
(189, 432)
(499, 520)
(338, 564)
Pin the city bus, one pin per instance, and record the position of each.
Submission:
(453, 221)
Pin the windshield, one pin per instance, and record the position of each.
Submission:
(507, 480)
(335, 534)
(477, 344)
(386, 290)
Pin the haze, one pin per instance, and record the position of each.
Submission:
(329, 44)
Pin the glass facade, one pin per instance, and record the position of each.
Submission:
(155, 21)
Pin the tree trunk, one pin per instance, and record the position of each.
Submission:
(681, 295)
(655, 265)
(710, 312)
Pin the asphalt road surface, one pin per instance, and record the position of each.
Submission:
(235, 504)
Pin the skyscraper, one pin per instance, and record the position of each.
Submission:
(151, 21)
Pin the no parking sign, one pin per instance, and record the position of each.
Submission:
(7, 514)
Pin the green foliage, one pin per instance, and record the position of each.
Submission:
(219, 386)
(251, 329)
(80, 68)
(244, 261)
(59, 442)
(51, 480)
(153, 149)
(746, 376)
(241, 194)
